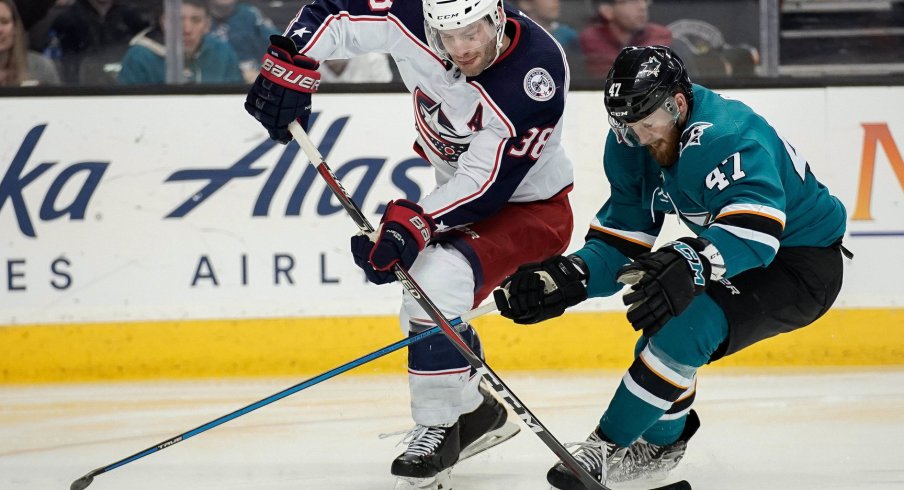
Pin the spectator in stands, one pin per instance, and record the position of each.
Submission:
(546, 13)
(366, 68)
(207, 59)
(32, 11)
(246, 29)
(92, 37)
(18, 66)
(621, 23)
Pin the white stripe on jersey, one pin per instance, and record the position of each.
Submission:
(748, 234)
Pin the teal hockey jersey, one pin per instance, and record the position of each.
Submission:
(737, 183)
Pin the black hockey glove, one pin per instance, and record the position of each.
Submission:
(404, 231)
(540, 291)
(663, 283)
(282, 91)
(361, 247)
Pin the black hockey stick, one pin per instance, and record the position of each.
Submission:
(433, 312)
(86, 480)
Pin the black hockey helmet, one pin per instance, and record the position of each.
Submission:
(640, 79)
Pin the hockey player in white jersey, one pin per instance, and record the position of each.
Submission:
(488, 87)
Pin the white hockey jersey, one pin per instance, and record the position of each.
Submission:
(492, 139)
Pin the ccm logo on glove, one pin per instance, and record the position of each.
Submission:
(693, 261)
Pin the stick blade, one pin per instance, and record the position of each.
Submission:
(83, 482)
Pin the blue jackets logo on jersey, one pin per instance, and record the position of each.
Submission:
(437, 130)
(539, 85)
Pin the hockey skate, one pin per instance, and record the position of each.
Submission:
(641, 460)
(596, 455)
(644, 460)
(433, 451)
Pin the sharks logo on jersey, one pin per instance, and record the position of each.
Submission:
(437, 130)
(693, 135)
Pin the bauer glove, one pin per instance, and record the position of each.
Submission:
(404, 231)
(540, 291)
(282, 91)
(663, 283)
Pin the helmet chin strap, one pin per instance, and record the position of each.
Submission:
(500, 37)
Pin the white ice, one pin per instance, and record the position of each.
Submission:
(838, 429)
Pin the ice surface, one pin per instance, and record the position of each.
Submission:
(837, 429)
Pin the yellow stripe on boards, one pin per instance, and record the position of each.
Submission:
(310, 346)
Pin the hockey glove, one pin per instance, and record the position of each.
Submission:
(540, 291)
(361, 247)
(282, 91)
(404, 231)
(663, 283)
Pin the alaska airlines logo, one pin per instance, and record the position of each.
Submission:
(437, 130)
(37, 188)
(692, 135)
(67, 195)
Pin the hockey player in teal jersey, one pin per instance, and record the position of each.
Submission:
(765, 258)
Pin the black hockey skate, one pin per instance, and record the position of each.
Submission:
(432, 451)
(485, 427)
(644, 460)
(596, 455)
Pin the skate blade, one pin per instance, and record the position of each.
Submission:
(490, 439)
(442, 481)
(639, 480)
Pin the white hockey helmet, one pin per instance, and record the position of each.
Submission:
(444, 15)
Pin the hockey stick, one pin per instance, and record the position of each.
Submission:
(437, 317)
(86, 480)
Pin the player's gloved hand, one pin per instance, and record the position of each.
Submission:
(282, 91)
(663, 283)
(540, 291)
(404, 231)
(361, 247)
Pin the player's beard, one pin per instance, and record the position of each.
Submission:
(485, 58)
(665, 151)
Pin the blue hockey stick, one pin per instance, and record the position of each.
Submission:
(86, 480)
